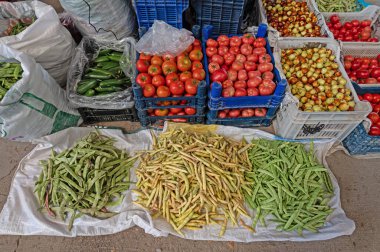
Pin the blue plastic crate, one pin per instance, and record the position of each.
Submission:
(216, 102)
(147, 120)
(359, 142)
(223, 15)
(242, 122)
(169, 11)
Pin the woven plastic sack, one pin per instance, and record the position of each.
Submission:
(35, 105)
(46, 39)
(86, 52)
(162, 38)
(103, 19)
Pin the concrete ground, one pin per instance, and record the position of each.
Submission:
(359, 182)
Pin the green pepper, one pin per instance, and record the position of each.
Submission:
(105, 52)
(114, 82)
(100, 71)
(90, 92)
(97, 76)
(116, 58)
(102, 59)
(82, 89)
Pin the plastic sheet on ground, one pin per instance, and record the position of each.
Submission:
(21, 217)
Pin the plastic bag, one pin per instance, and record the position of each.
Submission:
(34, 106)
(46, 39)
(102, 19)
(162, 38)
(86, 52)
(20, 215)
(68, 22)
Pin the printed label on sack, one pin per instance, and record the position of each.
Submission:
(64, 120)
(38, 104)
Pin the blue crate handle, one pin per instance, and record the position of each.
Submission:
(207, 32)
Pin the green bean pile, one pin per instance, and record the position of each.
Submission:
(10, 73)
(85, 179)
(104, 75)
(290, 185)
(339, 5)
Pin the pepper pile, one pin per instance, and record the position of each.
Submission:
(290, 185)
(104, 76)
(193, 180)
(10, 73)
(85, 179)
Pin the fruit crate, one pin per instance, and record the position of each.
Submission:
(372, 13)
(293, 123)
(216, 102)
(224, 15)
(91, 115)
(359, 142)
(368, 50)
(312, 7)
(169, 11)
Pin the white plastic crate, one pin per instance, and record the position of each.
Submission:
(361, 50)
(312, 7)
(371, 12)
(295, 124)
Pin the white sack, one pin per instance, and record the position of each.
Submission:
(49, 42)
(35, 105)
(20, 215)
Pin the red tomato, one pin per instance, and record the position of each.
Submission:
(232, 74)
(259, 51)
(211, 43)
(250, 66)
(376, 98)
(197, 42)
(190, 111)
(177, 88)
(362, 74)
(222, 50)
(334, 19)
(347, 65)
(246, 49)
(211, 51)
(374, 117)
(158, 80)
(156, 60)
(234, 113)
(191, 86)
(168, 57)
(143, 78)
(355, 23)
(348, 58)
(260, 112)
(235, 41)
(253, 58)
(365, 23)
(175, 110)
(267, 88)
(213, 66)
(144, 56)
(240, 84)
(375, 73)
(248, 39)
(227, 83)
(237, 65)
(265, 58)
(222, 114)
(154, 70)
(142, 65)
(373, 40)
(370, 81)
(252, 91)
(254, 82)
(161, 112)
(218, 59)
(241, 58)
(219, 75)
(259, 42)
(268, 76)
(163, 91)
(234, 50)
(229, 58)
(376, 108)
(242, 75)
(265, 67)
(247, 112)
(374, 131)
(199, 74)
(184, 76)
(183, 63)
(149, 90)
(228, 92)
(252, 74)
(171, 78)
(196, 55)
(364, 35)
(368, 97)
(223, 40)
(169, 67)
(240, 92)
(196, 65)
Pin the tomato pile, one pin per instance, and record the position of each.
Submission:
(169, 76)
(374, 116)
(292, 18)
(351, 31)
(363, 70)
(243, 112)
(241, 65)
